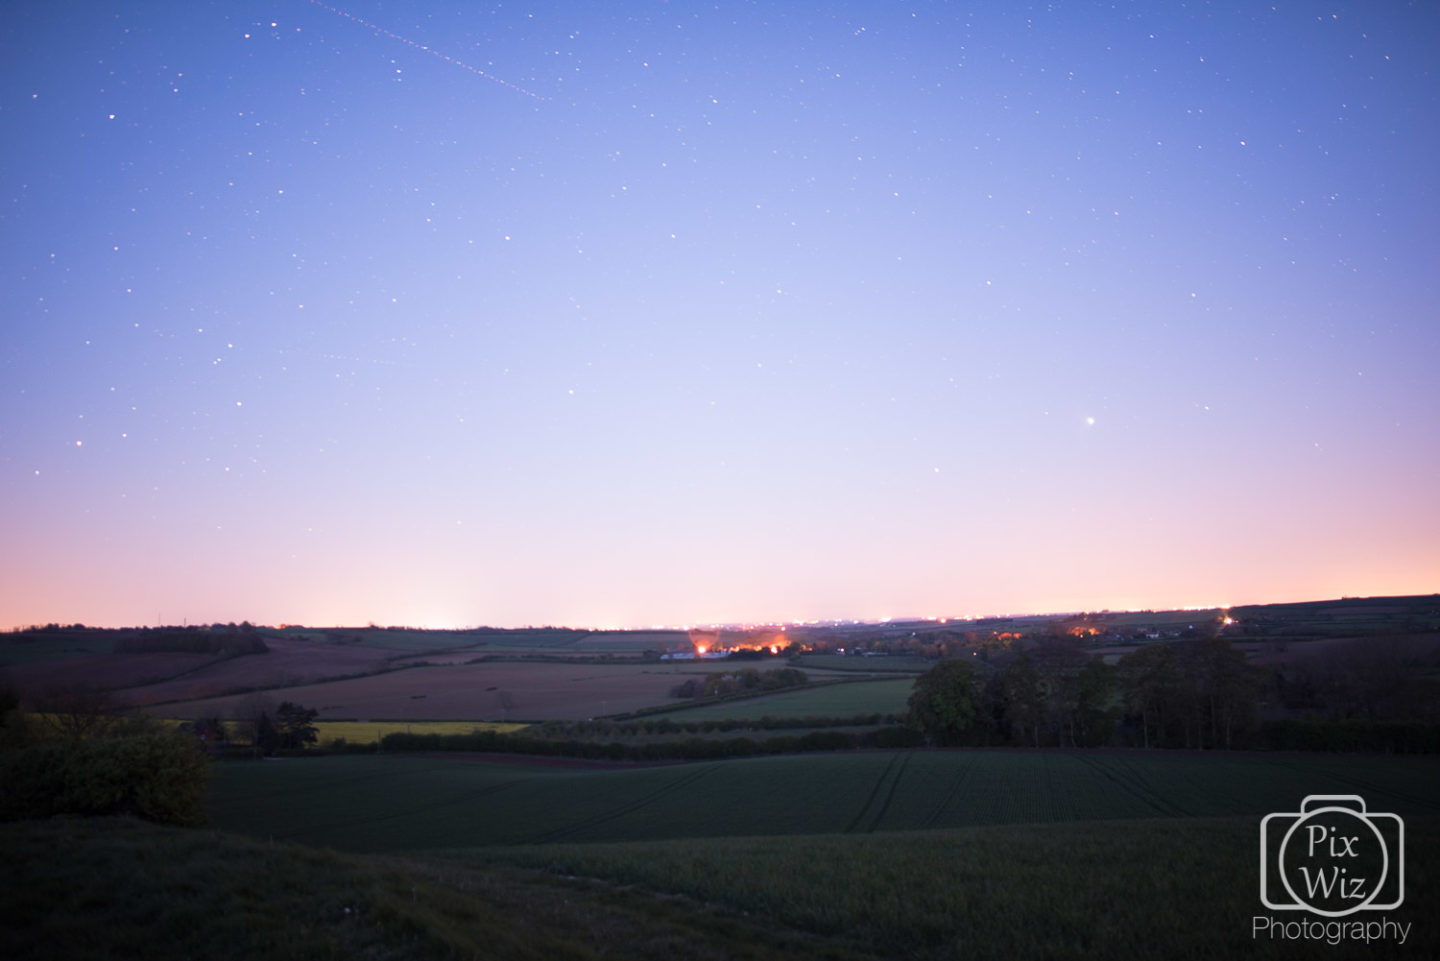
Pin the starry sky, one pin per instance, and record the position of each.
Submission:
(458, 313)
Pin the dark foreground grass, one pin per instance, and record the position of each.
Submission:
(1180, 888)
(927, 854)
(116, 888)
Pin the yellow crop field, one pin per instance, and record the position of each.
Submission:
(370, 732)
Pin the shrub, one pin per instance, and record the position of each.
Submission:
(156, 775)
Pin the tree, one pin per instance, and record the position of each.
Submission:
(942, 703)
(295, 725)
(76, 712)
(1059, 661)
(1023, 699)
(990, 726)
(1220, 691)
(1149, 683)
(1094, 722)
(255, 714)
(210, 731)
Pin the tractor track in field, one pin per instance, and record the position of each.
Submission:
(890, 794)
(1136, 788)
(1372, 787)
(952, 792)
(684, 780)
(890, 775)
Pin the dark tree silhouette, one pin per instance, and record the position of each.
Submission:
(295, 725)
(943, 701)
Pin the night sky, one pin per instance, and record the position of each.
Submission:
(460, 313)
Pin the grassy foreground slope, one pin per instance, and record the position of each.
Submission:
(118, 888)
(1174, 888)
(921, 855)
(396, 803)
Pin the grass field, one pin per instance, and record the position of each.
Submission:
(1174, 888)
(924, 855)
(416, 803)
(830, 700)
(897, 664)
(112, 888)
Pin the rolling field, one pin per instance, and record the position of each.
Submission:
(495, 690)
(416, 641)
(112, 888)
(417, 803)
(632, 641)
(152, 678)
(926, 854)
(897, 664)
(1173, 888)
(831, 700)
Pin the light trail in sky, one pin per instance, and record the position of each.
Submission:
(425, 49)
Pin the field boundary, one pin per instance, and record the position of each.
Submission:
(694, 703)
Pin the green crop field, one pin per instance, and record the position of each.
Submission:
(894, 664)
(366, 803)
(111, 888)
(1172, 888)
(923, 854)
(829, 700)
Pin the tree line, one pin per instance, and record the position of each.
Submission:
(1191, 694)
(1198, 694)
(745, 680)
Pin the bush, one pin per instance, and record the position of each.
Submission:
(157, 775)
(1380, 737)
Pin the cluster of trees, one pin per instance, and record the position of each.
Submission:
(267, 726)
(1189, 694)
(1196, 694)
(1367, 679)
(745, 680)
(231, 641)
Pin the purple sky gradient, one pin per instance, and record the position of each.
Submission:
(763, 311)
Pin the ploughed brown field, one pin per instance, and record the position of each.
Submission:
(109, 671)
(151, 678)
(504, 690)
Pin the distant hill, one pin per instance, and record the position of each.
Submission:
(173, 641)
